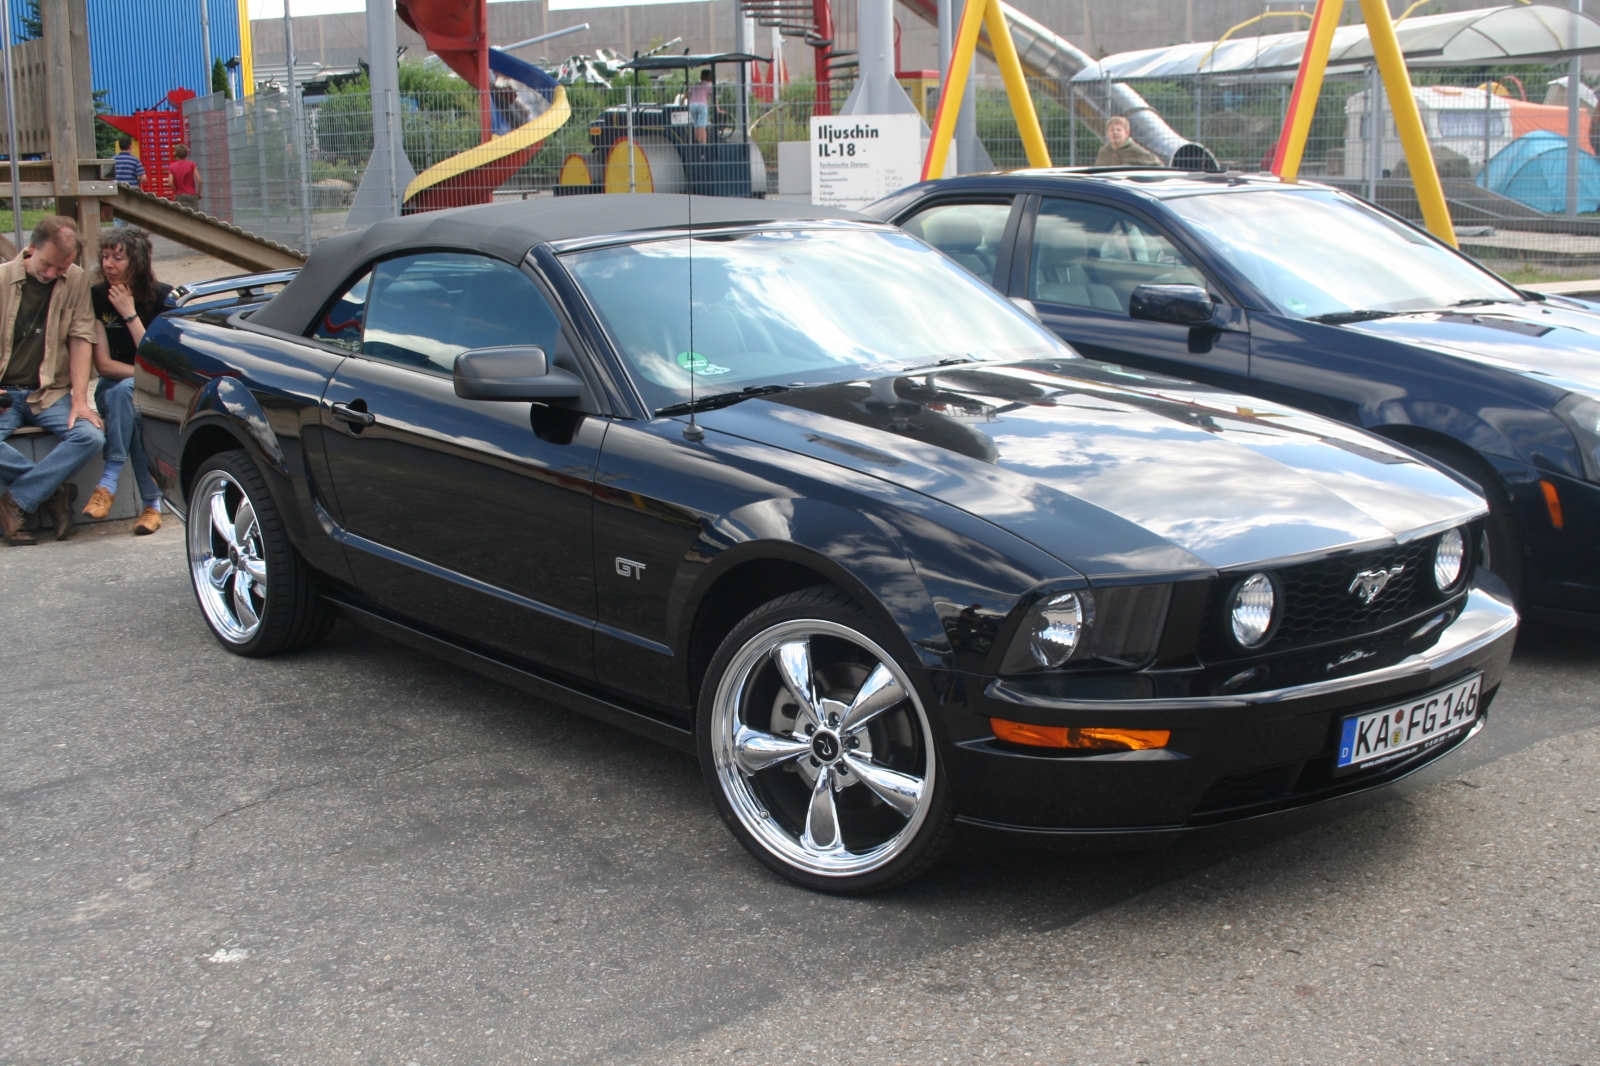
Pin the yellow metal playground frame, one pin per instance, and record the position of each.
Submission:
(976, 15)
(1396, 82)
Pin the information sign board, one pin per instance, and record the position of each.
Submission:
(856, 159)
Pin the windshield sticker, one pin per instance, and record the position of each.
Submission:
(1299, 307)
(982, 355)
(695, 363)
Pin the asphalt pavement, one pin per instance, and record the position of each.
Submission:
(361, 855)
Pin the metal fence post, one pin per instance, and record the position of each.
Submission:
(1574, 90)
(1072, 124)
(11, 132)
(297, 118)
(632, 148)
(1374, 133)
(1488, 115)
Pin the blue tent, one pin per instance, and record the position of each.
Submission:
(1533, 170)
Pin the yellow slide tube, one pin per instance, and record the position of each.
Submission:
(1407, 120)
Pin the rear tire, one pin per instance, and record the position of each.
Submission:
(257, 595)
(1502, 552)
(816, 742)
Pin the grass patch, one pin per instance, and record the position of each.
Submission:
(30, 219)
(1536, 275)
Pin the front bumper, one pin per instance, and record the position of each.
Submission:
(1229, 757)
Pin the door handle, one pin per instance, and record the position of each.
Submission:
(353, 416)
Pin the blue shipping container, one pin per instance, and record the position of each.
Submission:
(140, 50)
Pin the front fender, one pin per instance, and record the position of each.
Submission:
(855, 551)
(234, 404)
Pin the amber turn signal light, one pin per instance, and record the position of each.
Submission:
(1552, 501)
(1086, 738)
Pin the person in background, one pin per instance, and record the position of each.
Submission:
(700, 106)
(1121, 150)
(185, 178)
(46, 362)
(126, 300)
(126, 167)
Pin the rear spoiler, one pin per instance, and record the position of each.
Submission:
(246, 288)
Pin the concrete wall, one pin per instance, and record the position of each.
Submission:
(1099, 27)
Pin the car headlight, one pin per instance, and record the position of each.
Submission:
(1118, 626)
(1448, 557)
(1254, 602)
(1581, 414)
(1054, 628)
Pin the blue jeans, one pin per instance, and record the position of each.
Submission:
(125, 433)
(32, 483)
(700, 115)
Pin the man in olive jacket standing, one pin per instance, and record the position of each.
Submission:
(1121, 150)
(46, 363)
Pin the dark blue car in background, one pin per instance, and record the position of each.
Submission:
(1304, 295)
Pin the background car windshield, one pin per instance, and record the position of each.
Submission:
(1315, 254)
(795, 307)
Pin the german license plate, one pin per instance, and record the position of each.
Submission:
(1377, 737)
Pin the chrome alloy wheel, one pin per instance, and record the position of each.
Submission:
(822, 748)
(226, 557)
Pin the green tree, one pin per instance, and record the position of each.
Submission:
(219, 79)
(32, 24)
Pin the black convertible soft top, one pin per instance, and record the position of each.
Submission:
(507, 231)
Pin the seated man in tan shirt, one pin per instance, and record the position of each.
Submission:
(1121, 150)
(46, 353)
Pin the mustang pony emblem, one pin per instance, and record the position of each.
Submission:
(1369, 583)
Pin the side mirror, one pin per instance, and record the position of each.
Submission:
(516, 372)
(1181, 305)
(1026, 306)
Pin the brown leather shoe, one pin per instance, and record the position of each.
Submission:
(99, 504)
(13, 522)
(149, 521)
(59, 509)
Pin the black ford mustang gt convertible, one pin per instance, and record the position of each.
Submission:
(792, 490)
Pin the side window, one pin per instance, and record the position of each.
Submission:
(968, 233)
(424, 310)
(342, 324)
(1088, 255)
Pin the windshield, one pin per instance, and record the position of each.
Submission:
(1314, 253)
(795, 307)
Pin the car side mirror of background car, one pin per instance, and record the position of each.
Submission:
(1181, 305)
(514, 372)
(1027, 307)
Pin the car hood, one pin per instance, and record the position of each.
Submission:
(1554, 341)
(1116, 472)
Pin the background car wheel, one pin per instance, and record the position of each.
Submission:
(815, 741)
(1503, 550)
(257, 595)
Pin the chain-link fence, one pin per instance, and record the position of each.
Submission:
(252, 168)
(1498, 138)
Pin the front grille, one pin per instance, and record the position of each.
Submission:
(1318, 606)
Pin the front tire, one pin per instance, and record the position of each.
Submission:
(256, 593)
(816, 743)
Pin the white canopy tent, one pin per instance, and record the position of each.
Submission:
(1512, 34)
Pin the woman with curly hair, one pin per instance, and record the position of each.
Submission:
(126, 299)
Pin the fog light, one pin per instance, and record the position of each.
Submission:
(1087, 738)
(1447, 559)
(1253, 603)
